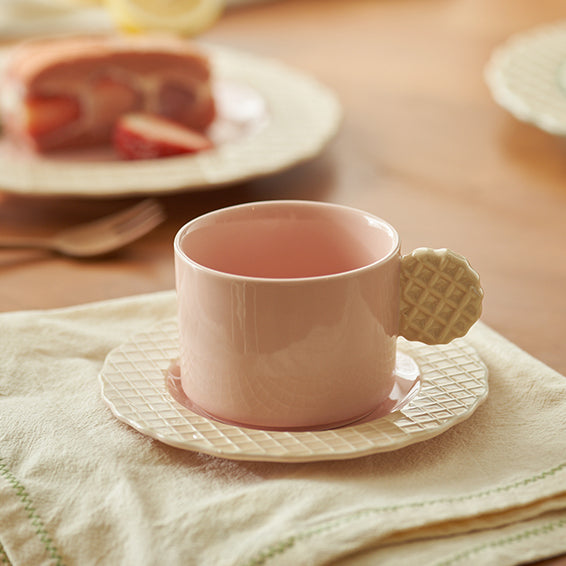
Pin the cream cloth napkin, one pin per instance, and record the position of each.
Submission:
(78, 487)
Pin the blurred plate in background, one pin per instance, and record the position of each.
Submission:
(271, 117)
(527, 77)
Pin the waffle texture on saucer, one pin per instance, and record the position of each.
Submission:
(441, 296)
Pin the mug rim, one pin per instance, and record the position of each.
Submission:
(395, 248)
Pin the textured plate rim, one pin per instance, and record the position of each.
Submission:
(518, 102)
(238, 443)
(304, 116)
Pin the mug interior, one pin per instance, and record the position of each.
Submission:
(286, 240)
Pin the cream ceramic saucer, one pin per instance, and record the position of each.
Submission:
(527, 77)
(133, 382)
(271, 117)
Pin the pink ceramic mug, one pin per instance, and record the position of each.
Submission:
(289, 312)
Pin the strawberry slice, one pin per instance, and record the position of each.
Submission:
(142, 135)
(46, 113)
(112, 98)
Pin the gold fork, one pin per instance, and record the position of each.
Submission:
(99, 236)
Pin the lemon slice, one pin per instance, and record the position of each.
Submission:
(184, 17)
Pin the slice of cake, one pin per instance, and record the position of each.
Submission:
(69, 92)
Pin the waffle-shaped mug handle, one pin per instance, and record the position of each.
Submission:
(441, 296)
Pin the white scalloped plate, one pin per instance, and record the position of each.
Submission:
(527, 77)
(271, 117)
(133, 384)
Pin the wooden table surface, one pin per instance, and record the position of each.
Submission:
(422, 144)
